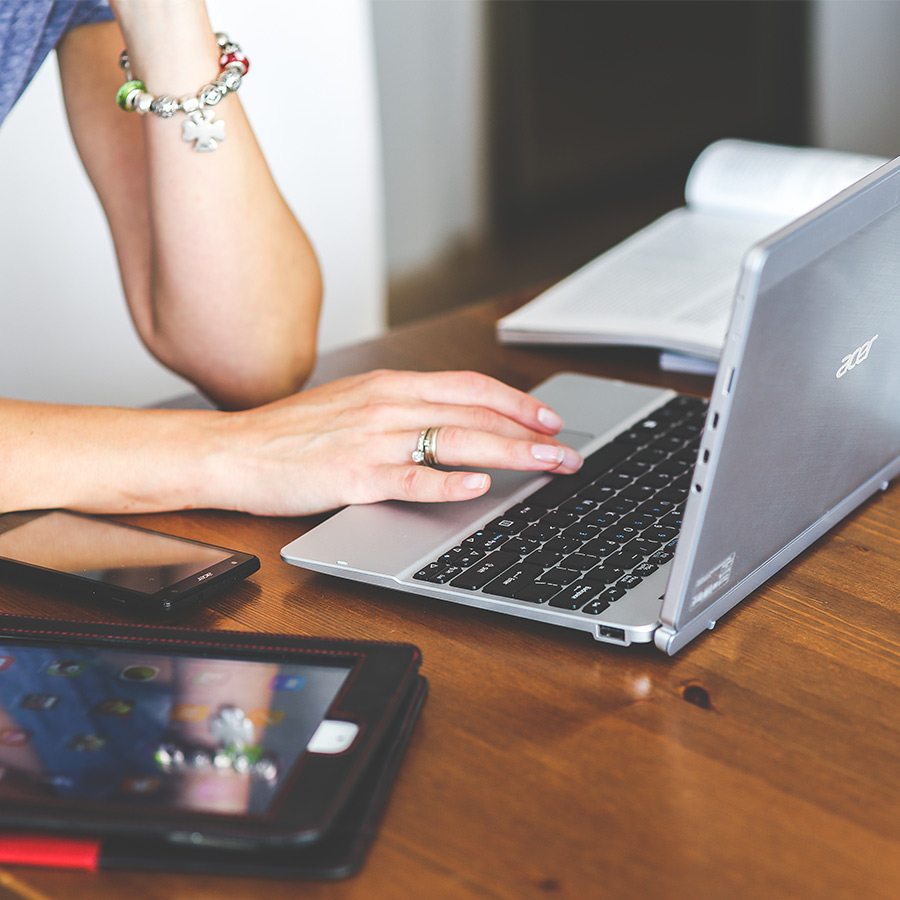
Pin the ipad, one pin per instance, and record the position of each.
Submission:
(205, 739)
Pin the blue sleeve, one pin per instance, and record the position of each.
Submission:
(89, 12)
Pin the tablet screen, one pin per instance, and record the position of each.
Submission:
(85, 725)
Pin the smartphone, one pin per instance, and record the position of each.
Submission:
(91, 557)
(205, 739)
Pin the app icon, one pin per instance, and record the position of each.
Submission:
(67, 668)
(140, 784)
(14, 737)
(210, 677)
(139, 673)
(62, 782)
(288, 682)
(114, 706)
(87, 743)
(261, 717)
(189, 712)
(40, 702)
(6, 661)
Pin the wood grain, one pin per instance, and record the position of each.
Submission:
(762, 761)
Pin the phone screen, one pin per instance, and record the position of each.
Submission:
(103, 551)
(154, 731)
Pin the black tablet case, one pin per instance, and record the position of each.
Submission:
(339, 854)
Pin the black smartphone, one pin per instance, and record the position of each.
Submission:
(93, 557)
(205, 739)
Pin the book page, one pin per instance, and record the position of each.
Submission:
(669, 285)
(746, 178)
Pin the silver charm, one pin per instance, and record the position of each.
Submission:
(165, 107)
(210, 95)
(202, 128)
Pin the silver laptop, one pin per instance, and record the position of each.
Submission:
(683, 508)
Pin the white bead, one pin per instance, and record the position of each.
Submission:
(210, 95)
(190, 104)
(143, 103)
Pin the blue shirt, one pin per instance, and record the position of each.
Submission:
(29, 30)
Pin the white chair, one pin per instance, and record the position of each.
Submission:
(65, 334)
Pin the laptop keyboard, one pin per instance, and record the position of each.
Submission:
(582, 541)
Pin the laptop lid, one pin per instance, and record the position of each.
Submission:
(804, 420)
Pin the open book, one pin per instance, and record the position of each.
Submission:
(671, 284)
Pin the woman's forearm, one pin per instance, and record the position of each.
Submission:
(97, 459)
(227, 290)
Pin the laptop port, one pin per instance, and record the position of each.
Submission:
(612, 634)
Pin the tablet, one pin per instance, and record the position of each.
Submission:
(204, 739)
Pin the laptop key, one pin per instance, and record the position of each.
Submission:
(485, 540)
(579, 505)
(559, 519)
(575, 596)
(603, 575)
(600, 547)
(462, 556)
(560, 576)
(581, 562)
(600, 519)
(506, 525)
(445, 576)
(644, 569)
(520, 547)
(597, 606)
(512, 581)
(430, 571)
(661, 533)
(629, 581)
(544, 558)
(538, 532)
(624, 560)
(527, 512)
(581, 531)
(563, 544)
(487, 570)
(537, 592)
(660, 557)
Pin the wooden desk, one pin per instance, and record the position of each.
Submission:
(762, 761)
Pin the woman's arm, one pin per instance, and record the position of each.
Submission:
(221, 281)
(349, 441)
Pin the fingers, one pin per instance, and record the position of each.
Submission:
(465, 447)
(468, 389)
(416, 415)
(425, 485)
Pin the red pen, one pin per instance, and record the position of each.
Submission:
(51, 852)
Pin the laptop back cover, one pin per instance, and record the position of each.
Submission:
(804, 421)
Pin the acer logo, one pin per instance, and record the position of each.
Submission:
(204, 575)
(852, 360)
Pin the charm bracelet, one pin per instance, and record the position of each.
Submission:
(200, 125)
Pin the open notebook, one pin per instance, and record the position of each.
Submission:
(671, 284)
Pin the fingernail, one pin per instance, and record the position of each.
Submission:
(475, 482)
(571, 459)
(548, 453)
(549, 419)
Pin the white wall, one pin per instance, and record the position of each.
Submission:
(856, 75)
(431, 82)
(64, 331)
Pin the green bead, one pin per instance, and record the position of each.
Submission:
(125, 90)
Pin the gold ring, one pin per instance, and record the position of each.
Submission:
(429, 447)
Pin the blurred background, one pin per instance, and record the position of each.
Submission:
(442, 151)
(523, 137)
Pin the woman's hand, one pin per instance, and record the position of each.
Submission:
(351, 441)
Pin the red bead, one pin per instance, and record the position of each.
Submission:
(227, 58)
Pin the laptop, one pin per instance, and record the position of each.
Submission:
(684, 506)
